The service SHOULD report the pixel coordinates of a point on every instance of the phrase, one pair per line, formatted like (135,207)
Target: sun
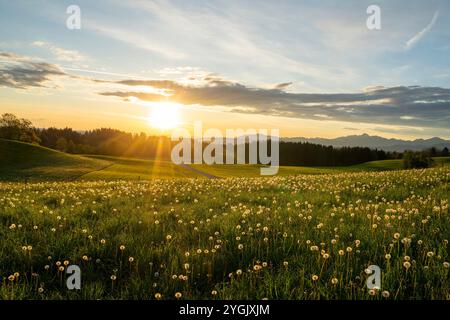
(164,115)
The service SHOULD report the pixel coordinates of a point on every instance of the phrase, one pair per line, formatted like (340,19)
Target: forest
(113,142)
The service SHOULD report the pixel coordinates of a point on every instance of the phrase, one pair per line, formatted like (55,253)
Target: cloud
(401,105)
(139,95)
(23,73)
(10,56)
(60,53)
(417,37)
(134,38)
(221,35)
(410,106)
(99,72)
(283,85)
(400,129)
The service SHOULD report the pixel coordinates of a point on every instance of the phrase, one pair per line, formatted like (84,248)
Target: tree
(445,152)
(412,160)
(14,128)
(61,144)
(433,152)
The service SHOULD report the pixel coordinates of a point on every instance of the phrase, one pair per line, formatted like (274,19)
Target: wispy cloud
(283,85)
(60,54)
(133,38)
(419,36)
(100,72)
(23,73)
(222,34)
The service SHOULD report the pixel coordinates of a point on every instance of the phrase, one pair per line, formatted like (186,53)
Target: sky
(306,68)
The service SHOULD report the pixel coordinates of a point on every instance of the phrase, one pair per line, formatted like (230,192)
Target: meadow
(284,237)
(28,162)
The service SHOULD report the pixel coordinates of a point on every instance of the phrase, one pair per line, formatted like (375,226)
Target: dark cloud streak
(402,105)
(22,73)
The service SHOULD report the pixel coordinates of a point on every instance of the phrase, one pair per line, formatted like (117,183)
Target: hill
(224,171)
(24,161)
(137,169)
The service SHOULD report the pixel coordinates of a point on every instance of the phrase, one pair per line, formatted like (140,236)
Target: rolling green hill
(379,165)
(23,161)
(245,170)
(249,170)
(384,165)
(137,169)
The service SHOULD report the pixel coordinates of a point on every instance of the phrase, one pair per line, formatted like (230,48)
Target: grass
(380,165)
(137,169)
(283,237)
(441,161)
(307,233)
(24,161)
(246,170)
(385,165)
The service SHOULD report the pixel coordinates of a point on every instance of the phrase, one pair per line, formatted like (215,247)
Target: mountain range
(376,142)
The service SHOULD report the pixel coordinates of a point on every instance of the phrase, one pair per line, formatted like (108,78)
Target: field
(291,237)
(137,169)
(23,161)
(225,171)
(142,229)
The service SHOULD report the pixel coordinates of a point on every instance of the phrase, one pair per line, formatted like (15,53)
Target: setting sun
(164,116)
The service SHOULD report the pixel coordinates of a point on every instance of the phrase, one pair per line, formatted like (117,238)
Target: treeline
(104,141)
(308,154)
(118,143)
(14,128)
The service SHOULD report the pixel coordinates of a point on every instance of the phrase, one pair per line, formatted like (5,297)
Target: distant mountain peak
(376,142)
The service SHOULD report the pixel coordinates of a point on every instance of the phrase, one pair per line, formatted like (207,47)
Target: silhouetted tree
(14,128)
(413,160)
(61,144)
